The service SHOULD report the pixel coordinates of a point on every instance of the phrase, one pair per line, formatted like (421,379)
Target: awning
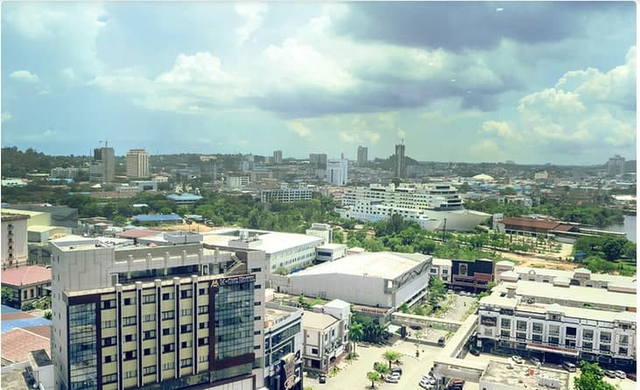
(543,348)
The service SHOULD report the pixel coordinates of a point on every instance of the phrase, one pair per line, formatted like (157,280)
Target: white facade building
(325,335)
(441,269)
(282,347)
(285,195)
(14,239)
(337,171)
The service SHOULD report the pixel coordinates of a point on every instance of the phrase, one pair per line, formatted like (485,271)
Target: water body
(628,227)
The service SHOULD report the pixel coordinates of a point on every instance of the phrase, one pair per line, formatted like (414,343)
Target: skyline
(536,83)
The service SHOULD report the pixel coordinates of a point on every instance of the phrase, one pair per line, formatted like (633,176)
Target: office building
(560,322)
(137,163)
(615,166)
(285,195)
(167,314)
(338,171)
(362,156)
(103,167)
(322,230)
(283,347)
(14,239)
(64,173)
(400,167)
(326,335)
(277,157)
(318,161)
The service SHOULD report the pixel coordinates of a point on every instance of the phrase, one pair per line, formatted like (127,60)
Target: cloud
(253,15)
(24,76)
(6,116)
(301,130)
(69,73)
(502,129)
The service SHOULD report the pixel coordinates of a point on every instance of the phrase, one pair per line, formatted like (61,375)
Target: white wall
(363,290)
(410,289)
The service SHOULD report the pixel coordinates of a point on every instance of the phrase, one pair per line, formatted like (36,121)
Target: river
(628,227)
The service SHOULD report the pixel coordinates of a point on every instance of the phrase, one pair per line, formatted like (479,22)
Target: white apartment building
(285,195)
(64,173)
(14,239)
(441,269)
(325,335)
(137,163)
(322,230)
(282,347)
(232,182)
(165,316)
(560,326)
(338,171)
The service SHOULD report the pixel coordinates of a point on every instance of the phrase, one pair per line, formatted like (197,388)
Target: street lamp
(444,229)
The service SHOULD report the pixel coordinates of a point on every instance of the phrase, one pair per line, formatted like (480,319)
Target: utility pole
(444,229)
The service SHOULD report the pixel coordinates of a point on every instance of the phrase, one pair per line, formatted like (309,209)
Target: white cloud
(69,73)
(253,15)
(503,129)
(6,116)
(301,130)
(25,76)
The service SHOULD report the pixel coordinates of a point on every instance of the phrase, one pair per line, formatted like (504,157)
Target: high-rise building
(362,155)
(615,166)
(318,160)
(167,313)
(400,167)
(137,163)
(277,157)
(337,171)
(103,168)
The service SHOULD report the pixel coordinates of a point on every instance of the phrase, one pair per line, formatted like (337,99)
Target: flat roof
(42,228)
(269,242)
(332,246)
(625,280)
(157,217)
(12,216)
(317,320)
(386,265)
(518,376)
(442,262)
(23,212)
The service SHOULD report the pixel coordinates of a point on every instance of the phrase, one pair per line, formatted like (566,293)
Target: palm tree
(373,376)
(391,356)
(356,332)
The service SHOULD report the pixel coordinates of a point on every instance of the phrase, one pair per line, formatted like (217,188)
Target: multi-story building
(362,156)
(285,195)
(325,335)
(26,284)
(400,166)
(14,239)
(282,347)
(137,163)
(232,182)
(558,322)
(277,157)
(615,165)
(338,171)
(471,275)
(168,315)
(318,160)
(64,173)
(322,230)
(441,269)
(103,168)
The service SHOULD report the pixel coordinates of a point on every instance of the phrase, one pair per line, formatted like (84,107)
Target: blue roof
(157,217)
(23,323)
(184,197)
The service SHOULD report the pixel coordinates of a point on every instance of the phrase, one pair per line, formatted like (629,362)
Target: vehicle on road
(474,352)
(535,360)
(455,384)
(425,384)
(517,359)
(397,370)
(621,374)
(610,373)
(322,379)
(569,366)
(392,378)
(441,341)
(416,327)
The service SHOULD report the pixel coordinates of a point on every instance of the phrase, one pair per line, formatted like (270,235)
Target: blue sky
(533,82)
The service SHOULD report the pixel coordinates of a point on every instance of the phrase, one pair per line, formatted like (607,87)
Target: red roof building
(517,224)
(28,283)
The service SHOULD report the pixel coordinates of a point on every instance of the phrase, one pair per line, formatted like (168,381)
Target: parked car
(392,378)
(610,373)
(621,374)
(425,384)
(474,352)
(322,379)
(397,370)
(535,360)
(429,379)
(416,327)
(569,366)
(631,376)
(441,341)
(517,359)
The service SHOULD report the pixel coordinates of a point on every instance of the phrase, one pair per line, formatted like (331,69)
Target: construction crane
(106,143)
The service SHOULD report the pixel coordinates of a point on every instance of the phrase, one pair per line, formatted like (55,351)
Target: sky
(531,82)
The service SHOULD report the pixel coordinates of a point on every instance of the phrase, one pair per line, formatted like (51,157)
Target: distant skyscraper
(277,157)
(103,167)
(363,158)
(615,166)
(400,168)
(137,163)
(338,171)
(318,161)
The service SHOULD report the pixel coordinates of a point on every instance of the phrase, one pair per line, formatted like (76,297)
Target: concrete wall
(19,243)
(357,289)
(410,289)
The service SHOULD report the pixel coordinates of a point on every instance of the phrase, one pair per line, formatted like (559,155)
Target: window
(188,328)
(108,341)
(109,358)
(203,358)
(129,301)
(112,378)
(623,351)
(587,345)
(149,317)
(203,309)
(168,366)
(505,323)
(148,298)
(257,286)
(202,291)
(571,332)
(257,303)
(587,334)
(167,296)
(536,337)
(167,331)
(554,340)
(130,374)
(149,370)
(203,325)
(624,339)
(203,341)
(129,355)
(605,348)
(186,362)
(256,347)
(149,334)
(110,304)
(185,294)
(605,337)
(167,348)
(149,351)
(537,327)
(257,318)
(521,325)
(185,312)
(129,337)
(314,351)
(108,324)
(168,315)
(128,321)
(554,330)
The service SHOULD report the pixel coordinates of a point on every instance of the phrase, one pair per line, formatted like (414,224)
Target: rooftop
(13,217)
(386,265)
(317,320)
(26,275)
(269,242)
(519,376)
(17,343)
(442,262)
(183,197)
(137,233)
(157,217)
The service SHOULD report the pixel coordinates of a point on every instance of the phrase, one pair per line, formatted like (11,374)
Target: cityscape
(271,196)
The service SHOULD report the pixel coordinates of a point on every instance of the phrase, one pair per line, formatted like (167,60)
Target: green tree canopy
(591,378)
(391,356)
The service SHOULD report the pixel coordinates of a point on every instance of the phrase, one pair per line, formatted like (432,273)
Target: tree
(380,368)
(373,376)
(437,290)
(404,308)
(591,378)
(613,248)
(47,315)
(356,332)
(391,356)
(9,297)
(27,306)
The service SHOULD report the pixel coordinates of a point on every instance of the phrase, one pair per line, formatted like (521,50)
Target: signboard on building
(233,280)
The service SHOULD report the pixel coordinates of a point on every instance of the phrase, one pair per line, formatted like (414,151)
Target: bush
(27,306)
(47,314)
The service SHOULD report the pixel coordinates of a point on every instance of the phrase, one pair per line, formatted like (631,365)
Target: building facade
(157,317)
(400,170)
(64,173)
(615,165)
(325,335)
(27,284)
(285,195)
(363,157)
(14,239)
(277,157)
(283,347)
(137,163)
(103,167)
(338,171)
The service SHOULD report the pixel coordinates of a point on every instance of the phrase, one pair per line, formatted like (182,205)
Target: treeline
(585,214)
(607,254)
(17,163)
